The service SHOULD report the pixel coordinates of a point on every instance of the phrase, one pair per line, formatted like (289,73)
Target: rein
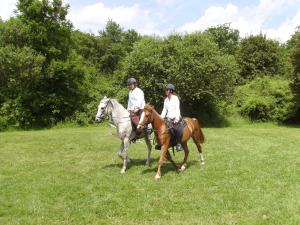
(159,132)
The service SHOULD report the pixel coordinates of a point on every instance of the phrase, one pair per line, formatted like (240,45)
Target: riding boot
(158,145)
(178,145)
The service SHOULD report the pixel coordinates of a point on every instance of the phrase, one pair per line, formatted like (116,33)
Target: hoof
(202,163)
(123,171)
(182,168)
(147,163)
(157,177)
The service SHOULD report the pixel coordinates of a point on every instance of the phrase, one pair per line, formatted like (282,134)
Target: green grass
(71,176)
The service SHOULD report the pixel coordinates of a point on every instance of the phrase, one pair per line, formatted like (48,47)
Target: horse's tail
(198,130)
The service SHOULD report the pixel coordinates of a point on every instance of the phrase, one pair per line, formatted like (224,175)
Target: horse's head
(146,116)
(102,109)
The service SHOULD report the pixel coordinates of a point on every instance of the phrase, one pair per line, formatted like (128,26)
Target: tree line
(51,72)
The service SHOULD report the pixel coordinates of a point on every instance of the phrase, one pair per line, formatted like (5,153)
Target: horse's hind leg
(183,165)
(196,140)
(149,146)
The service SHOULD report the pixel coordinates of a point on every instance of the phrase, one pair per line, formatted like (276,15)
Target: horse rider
(136,102)
(171,110)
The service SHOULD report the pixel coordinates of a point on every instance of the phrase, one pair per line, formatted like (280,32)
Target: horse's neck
(157,122)
(118,112)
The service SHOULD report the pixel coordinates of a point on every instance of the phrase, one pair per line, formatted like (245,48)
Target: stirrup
(179,147)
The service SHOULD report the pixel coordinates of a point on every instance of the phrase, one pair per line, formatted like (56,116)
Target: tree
(296,63)
(15,32)
(226,38)
(293,41)
(85,44)
(113,45)
(55,90)
(20,72)
(258,55)
(49,29)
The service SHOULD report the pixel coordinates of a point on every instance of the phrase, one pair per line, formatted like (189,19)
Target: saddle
(135,118)
(176,130)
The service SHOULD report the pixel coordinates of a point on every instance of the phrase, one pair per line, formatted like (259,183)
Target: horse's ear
(150,106)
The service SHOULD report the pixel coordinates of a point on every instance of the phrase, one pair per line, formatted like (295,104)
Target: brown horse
(192,129)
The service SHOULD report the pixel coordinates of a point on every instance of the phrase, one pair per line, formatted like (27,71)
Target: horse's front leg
(124,154)
(121,149)
(163,152)
(183,165)
(149,146)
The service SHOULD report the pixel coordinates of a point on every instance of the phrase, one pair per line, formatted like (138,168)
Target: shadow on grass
(166,168)
(132,163)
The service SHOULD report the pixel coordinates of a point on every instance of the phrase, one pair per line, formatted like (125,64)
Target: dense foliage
(295,40)
(203,76)
(258,55)
(264,99)
(51,73)
(226,38)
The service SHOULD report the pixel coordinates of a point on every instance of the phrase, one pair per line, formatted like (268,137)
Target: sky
(277,19)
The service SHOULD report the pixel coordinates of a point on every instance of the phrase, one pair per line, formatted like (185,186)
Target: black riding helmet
(131,81)
(170,87)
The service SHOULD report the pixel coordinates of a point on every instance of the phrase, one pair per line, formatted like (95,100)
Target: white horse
(121,119)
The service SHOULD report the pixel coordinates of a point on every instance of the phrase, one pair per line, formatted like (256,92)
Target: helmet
(170,87)
(131,81)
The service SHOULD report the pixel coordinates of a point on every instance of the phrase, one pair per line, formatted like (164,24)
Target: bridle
(105,114)
(148,119)
(104,109)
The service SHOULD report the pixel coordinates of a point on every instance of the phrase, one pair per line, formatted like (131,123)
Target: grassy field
(71,176)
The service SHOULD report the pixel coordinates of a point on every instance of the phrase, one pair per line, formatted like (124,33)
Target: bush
(259,55)
(265,99)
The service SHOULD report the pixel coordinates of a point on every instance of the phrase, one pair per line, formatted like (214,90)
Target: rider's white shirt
(136,99)
(171,108)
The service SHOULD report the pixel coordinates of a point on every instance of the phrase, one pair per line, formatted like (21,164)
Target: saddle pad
(178,128)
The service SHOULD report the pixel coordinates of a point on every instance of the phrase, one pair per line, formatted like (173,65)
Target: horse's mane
(118,105)
(151,108)
(115,102)
(148,105)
